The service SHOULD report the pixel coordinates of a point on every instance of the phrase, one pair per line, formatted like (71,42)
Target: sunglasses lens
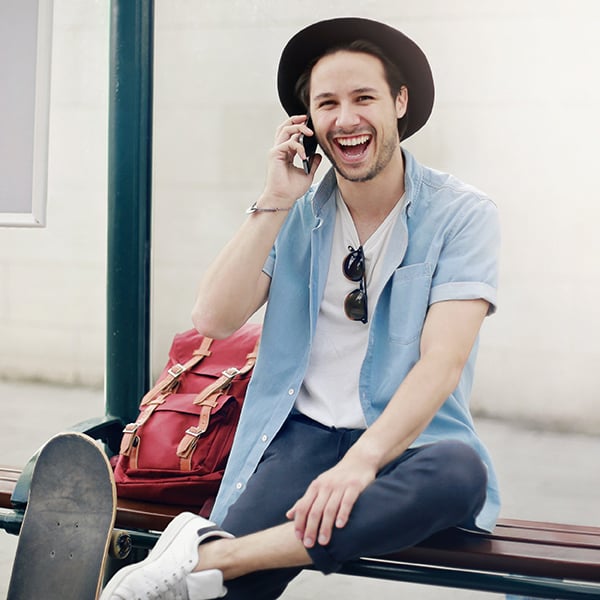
(355,306)
(354,265)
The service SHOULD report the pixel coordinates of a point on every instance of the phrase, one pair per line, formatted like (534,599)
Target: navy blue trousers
(425,490)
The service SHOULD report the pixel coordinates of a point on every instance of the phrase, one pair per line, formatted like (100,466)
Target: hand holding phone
(310,147)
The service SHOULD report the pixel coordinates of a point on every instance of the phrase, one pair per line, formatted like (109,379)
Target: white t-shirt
(329,393)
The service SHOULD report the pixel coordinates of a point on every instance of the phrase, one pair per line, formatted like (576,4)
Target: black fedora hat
(315,40)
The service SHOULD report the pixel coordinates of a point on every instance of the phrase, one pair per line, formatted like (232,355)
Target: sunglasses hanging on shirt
(355,304)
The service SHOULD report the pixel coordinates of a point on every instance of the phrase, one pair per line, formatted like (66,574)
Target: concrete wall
(516,114)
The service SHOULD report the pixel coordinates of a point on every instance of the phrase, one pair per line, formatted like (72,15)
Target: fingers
(296,123)
(323,526)
(319,519)
(345,508)
(286,180)
(299,513)
(319,511)
(292,129)
(306,514)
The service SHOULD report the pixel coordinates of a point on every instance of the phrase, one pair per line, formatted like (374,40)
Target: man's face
(354,115)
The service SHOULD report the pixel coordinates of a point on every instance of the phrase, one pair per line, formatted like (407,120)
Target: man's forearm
(234,286)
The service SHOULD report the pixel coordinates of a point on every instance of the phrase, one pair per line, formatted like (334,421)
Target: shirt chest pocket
(409,300)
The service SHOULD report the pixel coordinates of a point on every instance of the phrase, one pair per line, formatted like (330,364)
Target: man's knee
(462,475)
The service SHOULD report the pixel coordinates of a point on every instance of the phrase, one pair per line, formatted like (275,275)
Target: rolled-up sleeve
(467,268)
(269,265)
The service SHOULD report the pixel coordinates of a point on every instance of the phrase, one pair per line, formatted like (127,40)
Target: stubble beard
(389,146)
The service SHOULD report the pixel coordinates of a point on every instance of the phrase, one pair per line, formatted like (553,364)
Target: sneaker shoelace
(172,587)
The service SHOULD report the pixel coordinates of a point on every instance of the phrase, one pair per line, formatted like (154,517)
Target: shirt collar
(413,179)
(323,192)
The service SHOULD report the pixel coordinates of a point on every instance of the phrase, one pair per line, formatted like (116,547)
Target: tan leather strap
(130,432)
(173,376)
(156,396)
(223,383)
(188,443)
(207,399)
(134,453)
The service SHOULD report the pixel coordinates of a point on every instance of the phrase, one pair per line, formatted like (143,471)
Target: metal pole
(129,206)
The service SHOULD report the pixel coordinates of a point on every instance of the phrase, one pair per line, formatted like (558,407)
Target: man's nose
(347,117)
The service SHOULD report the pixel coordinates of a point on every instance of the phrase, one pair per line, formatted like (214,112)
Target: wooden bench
(521,557)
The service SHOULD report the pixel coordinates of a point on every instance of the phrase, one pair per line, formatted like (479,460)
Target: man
(355,437)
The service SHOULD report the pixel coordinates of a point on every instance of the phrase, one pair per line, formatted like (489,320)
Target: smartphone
(310,147)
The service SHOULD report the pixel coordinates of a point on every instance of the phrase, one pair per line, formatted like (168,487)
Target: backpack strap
(156,396)
(171,380)
(224,382)
(207,399)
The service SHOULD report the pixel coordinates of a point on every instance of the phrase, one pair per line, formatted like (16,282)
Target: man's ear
(402,102)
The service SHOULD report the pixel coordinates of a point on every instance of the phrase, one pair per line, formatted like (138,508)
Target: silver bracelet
(255,209)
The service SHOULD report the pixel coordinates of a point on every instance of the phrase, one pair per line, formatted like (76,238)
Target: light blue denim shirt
(444,247)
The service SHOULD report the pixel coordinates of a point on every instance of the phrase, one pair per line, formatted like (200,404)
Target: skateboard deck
(68,522)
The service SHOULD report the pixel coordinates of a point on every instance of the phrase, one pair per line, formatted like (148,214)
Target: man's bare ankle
(214,554)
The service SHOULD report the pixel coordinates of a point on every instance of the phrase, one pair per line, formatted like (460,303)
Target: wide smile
(353,148)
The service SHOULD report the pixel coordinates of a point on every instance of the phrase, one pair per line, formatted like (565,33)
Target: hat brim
(315,40)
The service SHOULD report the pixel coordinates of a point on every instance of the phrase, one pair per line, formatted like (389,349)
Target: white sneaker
(166,573)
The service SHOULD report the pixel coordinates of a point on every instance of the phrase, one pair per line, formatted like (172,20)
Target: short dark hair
(394,77)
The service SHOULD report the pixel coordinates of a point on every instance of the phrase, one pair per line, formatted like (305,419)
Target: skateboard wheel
(120,545)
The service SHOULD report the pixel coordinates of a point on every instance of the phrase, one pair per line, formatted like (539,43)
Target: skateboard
(68,523)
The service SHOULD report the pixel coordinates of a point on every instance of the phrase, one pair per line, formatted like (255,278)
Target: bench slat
(542,525)
(142,515)
(464,551)
(559,538)
(8,480)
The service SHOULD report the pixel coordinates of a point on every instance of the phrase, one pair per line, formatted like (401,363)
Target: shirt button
(291,392)
(264,437)
(238,485)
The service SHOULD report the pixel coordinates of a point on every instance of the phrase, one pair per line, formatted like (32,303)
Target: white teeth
(353,141)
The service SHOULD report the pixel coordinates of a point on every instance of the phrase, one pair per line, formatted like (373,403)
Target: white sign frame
(24,174)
